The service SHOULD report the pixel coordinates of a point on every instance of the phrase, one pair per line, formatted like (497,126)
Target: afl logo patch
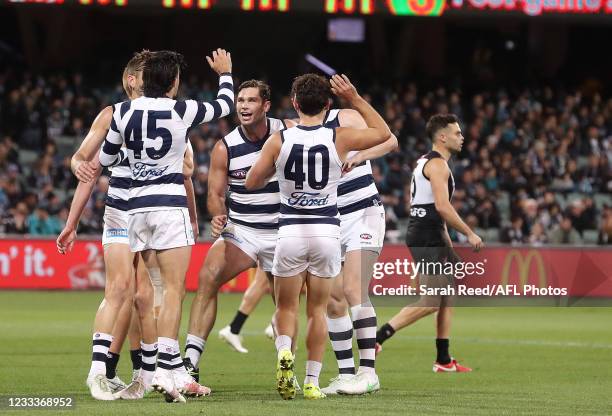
(365,236)
(239,174)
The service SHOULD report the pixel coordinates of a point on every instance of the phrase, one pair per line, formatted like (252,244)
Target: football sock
(443,357)
(364,323)
(283,342)
(149,356)
(313,369)
(101,344)
(112,360)
(169,357)
(136,357)
(384,333)
(237,323)
(194,349)
(341,336)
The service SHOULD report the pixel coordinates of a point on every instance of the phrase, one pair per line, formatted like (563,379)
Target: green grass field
(527,361)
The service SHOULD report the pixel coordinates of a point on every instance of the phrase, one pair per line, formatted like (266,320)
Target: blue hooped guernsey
(258,208)
(357,190)
(309,171)
(155,131)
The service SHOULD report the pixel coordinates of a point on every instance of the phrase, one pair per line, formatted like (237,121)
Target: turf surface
(527,361)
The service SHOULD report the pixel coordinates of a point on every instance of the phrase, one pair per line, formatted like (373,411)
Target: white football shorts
(115,229)
(255,243)
(160,230)
(320,256)
(363,230)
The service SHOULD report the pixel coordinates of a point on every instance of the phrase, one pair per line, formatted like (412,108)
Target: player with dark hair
(154,128)
(307,160)
(427,236)
(260,284)
(119,259)
(246,235)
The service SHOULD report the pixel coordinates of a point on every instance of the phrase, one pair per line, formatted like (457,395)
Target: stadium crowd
(536,166)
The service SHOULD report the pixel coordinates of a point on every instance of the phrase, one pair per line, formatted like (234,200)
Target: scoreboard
(356,7)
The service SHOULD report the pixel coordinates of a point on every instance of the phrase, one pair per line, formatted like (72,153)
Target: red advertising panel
(36,264)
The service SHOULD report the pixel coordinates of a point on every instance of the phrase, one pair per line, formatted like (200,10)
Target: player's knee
(336,308)
(316,308)
(117,290)
(287,305)
(354,295)
(144,298)
(210,281)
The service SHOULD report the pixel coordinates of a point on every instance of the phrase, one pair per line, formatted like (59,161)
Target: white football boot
(187,385)
(235,341)
(136,390)
(269,331)
(363,383)
(163,382)
(99,388)
(116,384)
(337,383)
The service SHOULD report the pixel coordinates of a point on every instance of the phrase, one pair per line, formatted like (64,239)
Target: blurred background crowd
(536,166)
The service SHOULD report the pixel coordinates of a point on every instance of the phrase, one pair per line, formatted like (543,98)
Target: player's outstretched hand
(475,242)
(65,240)
(217,223)
(351,162)
(221,61)
(342,87)
(84,172)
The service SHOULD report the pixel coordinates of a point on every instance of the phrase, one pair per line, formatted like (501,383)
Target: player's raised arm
(348,139)
(438,172)
(264,167)
(351,118)
(375,152)
(195,112)
(90,146)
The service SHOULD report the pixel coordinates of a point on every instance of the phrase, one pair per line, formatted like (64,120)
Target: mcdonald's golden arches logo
(524,266)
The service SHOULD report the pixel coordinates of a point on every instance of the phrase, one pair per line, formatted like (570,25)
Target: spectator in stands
(14,221)
(41,223)
(529,143)
(514,233)
(5,202)
(529,213)
(565,233)
(200,186)
(485,209)
(581,218)
(605,229)
(12,150)
(538,236)
(42,174)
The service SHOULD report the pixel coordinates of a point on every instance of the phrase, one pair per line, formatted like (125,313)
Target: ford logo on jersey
(307,199)
(140,171)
